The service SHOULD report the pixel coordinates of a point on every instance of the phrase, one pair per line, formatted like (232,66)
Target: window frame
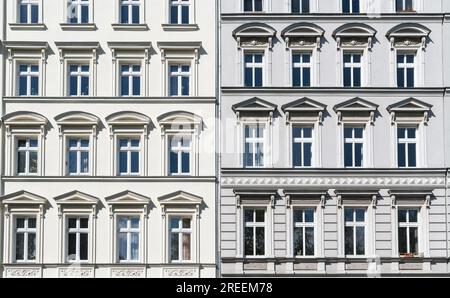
(79,75)
(139,3)
(129,136)
(181,231)
(29,14)
(409,225)
(25,231)
(414,5)
(90,6)
(27,158)
(15,71)
(264,139)
(254,65)
(29,74)
(355,224)
(364,144)
(79,150)
(264,6)
(129,231)
(406,141)
(360,6)
(77,135)
(310,7)
(130,75)
(405,67)
(302,142)
(77,231)
(304,225)
(180,74)
(302,66)
(353,66)
(180,151)
(254,225)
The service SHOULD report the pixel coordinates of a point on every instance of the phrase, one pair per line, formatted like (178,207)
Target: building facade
(108,136)
(334,138)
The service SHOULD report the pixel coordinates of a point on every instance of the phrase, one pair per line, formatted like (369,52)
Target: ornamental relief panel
(23,272)
(180,272)
(128,272)
(76,272)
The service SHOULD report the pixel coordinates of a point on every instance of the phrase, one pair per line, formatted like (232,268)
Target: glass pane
(122,246)
(400,77)
(356,57)
(173,86)
(248,155)
(260,215)
(84,143)
(31,246)
(185,162)
(123,222)
(84,222)
(358,154)
(173,162)
(134,162)
(33,162)
(248,77)
(123,143)
(298,216)
(356,77)
(399,5)
(296,132)
(83,246)
(348,214)
(259,160)
(34,86)
(124,86)
(307,160)
(347,77)
(402,241)
(309,215)
(23,85)
(135,222)
(349,241)
(401,132)
(413,215)
(174,223)
(135,11)
(73,143)
(134,246)
(185,86)
(84,85)
(73,86)
(258,5)
(306,77)
(72,162)
(123,162)
(258,58)
(410,77)
(295,6)
(411,155)
(174,246)
(136,85)
(258,77)
(248,241)
(21,143)
(411,133)
(248,6)
(85,14)
(297,154)
(72,247)
(360,242)
(360,215)
(186,247)
(345,6)
(21,162)
(135,142)
(124,14)
(348,132)
(309,241)
(296,80)
(260,241)
(305,6)
(298,241)
(296,58)
(401,155)
(31,223)
(348,155)
(84,162)
(409,58)
(72,223)
(186,223)
(413,243)
(20,223)
(20,243)
(174,14)
(248,215)
(402,215)
(185,14)
(23,14)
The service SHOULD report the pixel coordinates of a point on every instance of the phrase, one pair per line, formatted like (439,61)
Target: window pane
(135,11)
(298,241)
(348,213)
(185,14)
(134,246)
(84,162)
(348,155)
(356,77)
(360,241)
(360,215)
(134,162)
(355,6)
(347,77)
(259,158)
(248,155)
(260,242)
(72,222)
(358,154)
(402,241)
(33,162)
(349,241)
(296,80)
(34,86)
(84,85)
(411,155)
(173,162)
(309,241)
(401,133)
(124,14)
(258,77)
(23,85)
(20,243)
(402,215)
(135,223)
(31,246)
(83,246)
(136,85)
(260,215)
(85,14)
(21,162)
(72,247)
(123,162)
(413,215)
(20,223)
(305,6)
(297,154)
(124,86)
(174,223)
(309,215)
(306,77)
(122,246)
(186,223)
(123,143)
(174,14)
(410,77)
(174,247)
(248,5)
(186,246)
(72,162)
(307,154)
(258,5)
(401,155)
(298,215)
(413,240)
(248,215)
(248,77)
(185,86)
(135,142)
(345,6)
(348,132)
(73,86)
(32,223)
(123,222)
(173,86)
(84,222)
(185,162)
(248,241)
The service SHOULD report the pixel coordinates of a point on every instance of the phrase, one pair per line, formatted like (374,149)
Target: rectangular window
(350,6)
(253,5)
(128,238)
(253,70)
(129,156)
(130,80)
(304,232)
(28,77)
(78,80)
(302,145)
(254,232)
(353,146)
(355,229)
(78,156)
(130,11)
(254,135)
(78,11)
(179,79)
(180,155)
(408,231)
(407,146)
(25,235)
(180,238)
(406,65)
(352,69)
(179,11)
(27,156)
(301,69)
(300,6)
(29,11)
(77,239)
(405,5)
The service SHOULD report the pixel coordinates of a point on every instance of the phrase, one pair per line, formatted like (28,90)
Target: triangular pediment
(127,118)
(254,104)
(77,118)
(127,198)
(410,105)
(76,198)
(304,104)
(356,104)
(302,30)
(23,198)
(180,198)
(354,30)
(24,118)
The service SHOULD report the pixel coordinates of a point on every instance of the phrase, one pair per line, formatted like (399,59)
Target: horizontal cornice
(334,17)
(115,100)
(95,179)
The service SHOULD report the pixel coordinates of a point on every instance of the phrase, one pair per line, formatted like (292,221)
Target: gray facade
(282,216)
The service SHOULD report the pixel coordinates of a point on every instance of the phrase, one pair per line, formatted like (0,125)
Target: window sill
(18,26)
(180,27)
(130,27)
(83,27)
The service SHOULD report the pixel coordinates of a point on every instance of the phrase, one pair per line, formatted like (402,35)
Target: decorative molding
(23,272)
(180,272)
(128,272)
(76,272)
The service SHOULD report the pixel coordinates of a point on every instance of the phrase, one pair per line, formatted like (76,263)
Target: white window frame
(362,6)
(302,65)
(302,140)
(180,232)
(404,65)
(406,141)
(354,141)
(354,224)
(18,59)
(128,231)
(131,74)
(118,9)
(27,151)
(409,225)
(416,6)
(79,4)
(266,6)
(304,225)
(179,75)
(421,139)
(253,65)
(29,3)
(255,225)
(79,74)
(77,231)
(254,141)
(67,134)
(365,50)
(419,63)
(25,231)
(129,149)
(79,149)
(180,4)
(28,74)
(313,5)
(352,65)
(179,149)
